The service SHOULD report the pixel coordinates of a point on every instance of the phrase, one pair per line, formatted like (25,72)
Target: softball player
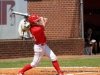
(37,25)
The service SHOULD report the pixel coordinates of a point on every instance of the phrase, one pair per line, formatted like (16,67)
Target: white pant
(39,51)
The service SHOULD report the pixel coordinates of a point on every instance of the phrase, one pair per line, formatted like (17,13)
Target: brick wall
(63,17)
(21,49)
(15,48)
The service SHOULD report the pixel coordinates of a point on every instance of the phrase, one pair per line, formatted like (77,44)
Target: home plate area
(52,71)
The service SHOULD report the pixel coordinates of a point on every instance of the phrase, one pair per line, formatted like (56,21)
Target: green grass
(89,62)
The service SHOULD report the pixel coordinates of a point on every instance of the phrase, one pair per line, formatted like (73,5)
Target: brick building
(63,30)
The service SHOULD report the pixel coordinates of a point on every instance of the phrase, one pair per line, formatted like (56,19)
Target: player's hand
(45,19)
(26,28)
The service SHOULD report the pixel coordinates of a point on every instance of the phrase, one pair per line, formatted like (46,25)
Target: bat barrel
(19,13)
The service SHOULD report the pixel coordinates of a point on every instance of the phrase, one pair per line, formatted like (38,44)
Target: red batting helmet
(33,19)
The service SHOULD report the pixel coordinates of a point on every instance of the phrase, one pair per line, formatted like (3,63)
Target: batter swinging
(37,25)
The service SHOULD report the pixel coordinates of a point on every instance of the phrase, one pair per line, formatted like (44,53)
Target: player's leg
(53,58)
(37,58)
(38,54)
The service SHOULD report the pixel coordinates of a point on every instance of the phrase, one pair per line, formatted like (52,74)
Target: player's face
(38,22)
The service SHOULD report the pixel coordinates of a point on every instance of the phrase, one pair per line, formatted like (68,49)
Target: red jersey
(38,34)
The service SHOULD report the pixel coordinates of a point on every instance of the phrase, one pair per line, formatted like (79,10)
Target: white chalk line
(79,73)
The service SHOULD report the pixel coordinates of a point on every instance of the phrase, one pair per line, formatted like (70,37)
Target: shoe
(20,73)
(60,73)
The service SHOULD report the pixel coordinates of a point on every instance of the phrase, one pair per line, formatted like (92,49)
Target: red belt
(41,44)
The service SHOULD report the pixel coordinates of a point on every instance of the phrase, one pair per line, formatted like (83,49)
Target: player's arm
(43,21)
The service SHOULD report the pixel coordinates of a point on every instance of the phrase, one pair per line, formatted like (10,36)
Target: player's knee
(34,64)
(54,58)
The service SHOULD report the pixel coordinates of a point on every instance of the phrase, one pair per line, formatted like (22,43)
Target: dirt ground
(51,70)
